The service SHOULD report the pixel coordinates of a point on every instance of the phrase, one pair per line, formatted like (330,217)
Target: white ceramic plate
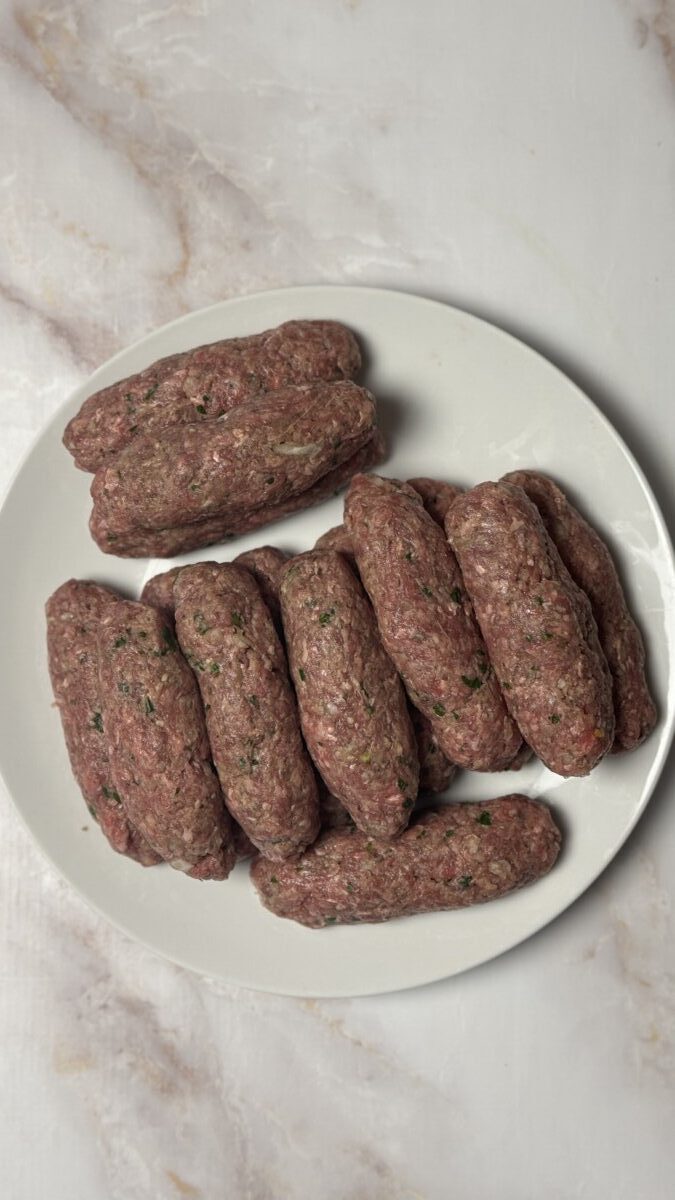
(461,401)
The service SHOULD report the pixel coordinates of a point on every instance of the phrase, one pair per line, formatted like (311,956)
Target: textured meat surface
(158,592)
(450,857)
(591,566)
(227,634)
(436,770)
(165,543)
(352,706)
(437,496)
(266,564)
(157,745)
(427,623)
(339,540)
(538,627)
(74,613)
(206,382)
(254,457)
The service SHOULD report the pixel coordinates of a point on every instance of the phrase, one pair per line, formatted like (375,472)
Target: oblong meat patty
(538,627)
(591,566)
(427,624)
(157,745)
(228,636)
(352,706)
(266,564)
(253,459)
(437,496)
(74,614)
(158,591)
(450,857)
(206,382)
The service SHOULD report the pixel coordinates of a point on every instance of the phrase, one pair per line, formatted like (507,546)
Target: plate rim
(667,734)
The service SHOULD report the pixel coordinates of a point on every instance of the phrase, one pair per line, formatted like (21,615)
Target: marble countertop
(515,159)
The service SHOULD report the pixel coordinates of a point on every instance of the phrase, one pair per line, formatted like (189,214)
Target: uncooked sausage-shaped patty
(436,770)
(255,457)
(158,591)
(591,566)
(437,496)
(450,857)
(157,744)
(165,543)
(228,636)
(266,564)
(538,627)
(74,613)
(426,622)
(206,382)
(352,706)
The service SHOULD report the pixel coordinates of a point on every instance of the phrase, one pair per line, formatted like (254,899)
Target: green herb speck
(120,641)
(439,709)
(473,683)
(426,591)
(449,833)
(97,722)
(409,555)
(326,617)
(123,688)
(546,636)
(111,794)
(148,706)
(455,714)
(484,818)
(408,803)
(402,785)
(301,675)
(273,879)
(254,702)
(237,619)
(466,881)
(214,668)
(150,393)
(330,920)
(554,719)
(456,595)
(539,600)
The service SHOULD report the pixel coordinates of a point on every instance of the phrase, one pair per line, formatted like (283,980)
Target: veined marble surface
(514,158)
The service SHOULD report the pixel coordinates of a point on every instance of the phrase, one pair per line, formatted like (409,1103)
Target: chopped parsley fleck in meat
(120,641)
(449,833)
(326,617)
(554,719)
(426,591)
(199,622)
(214,668)
(472,682)
(484,818)
(301,675)
(97,722)
(408,803)
(111,794)
(455,714)
(123,688)
(148,706)
(466,881)
(350,888)
(201,409)
(150,393)
(409,555)
(402,785)
(273,879)
(195,663)
(253,700)
(539,600)
(237,619)
(439,709)
(546,636)
(456,595)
